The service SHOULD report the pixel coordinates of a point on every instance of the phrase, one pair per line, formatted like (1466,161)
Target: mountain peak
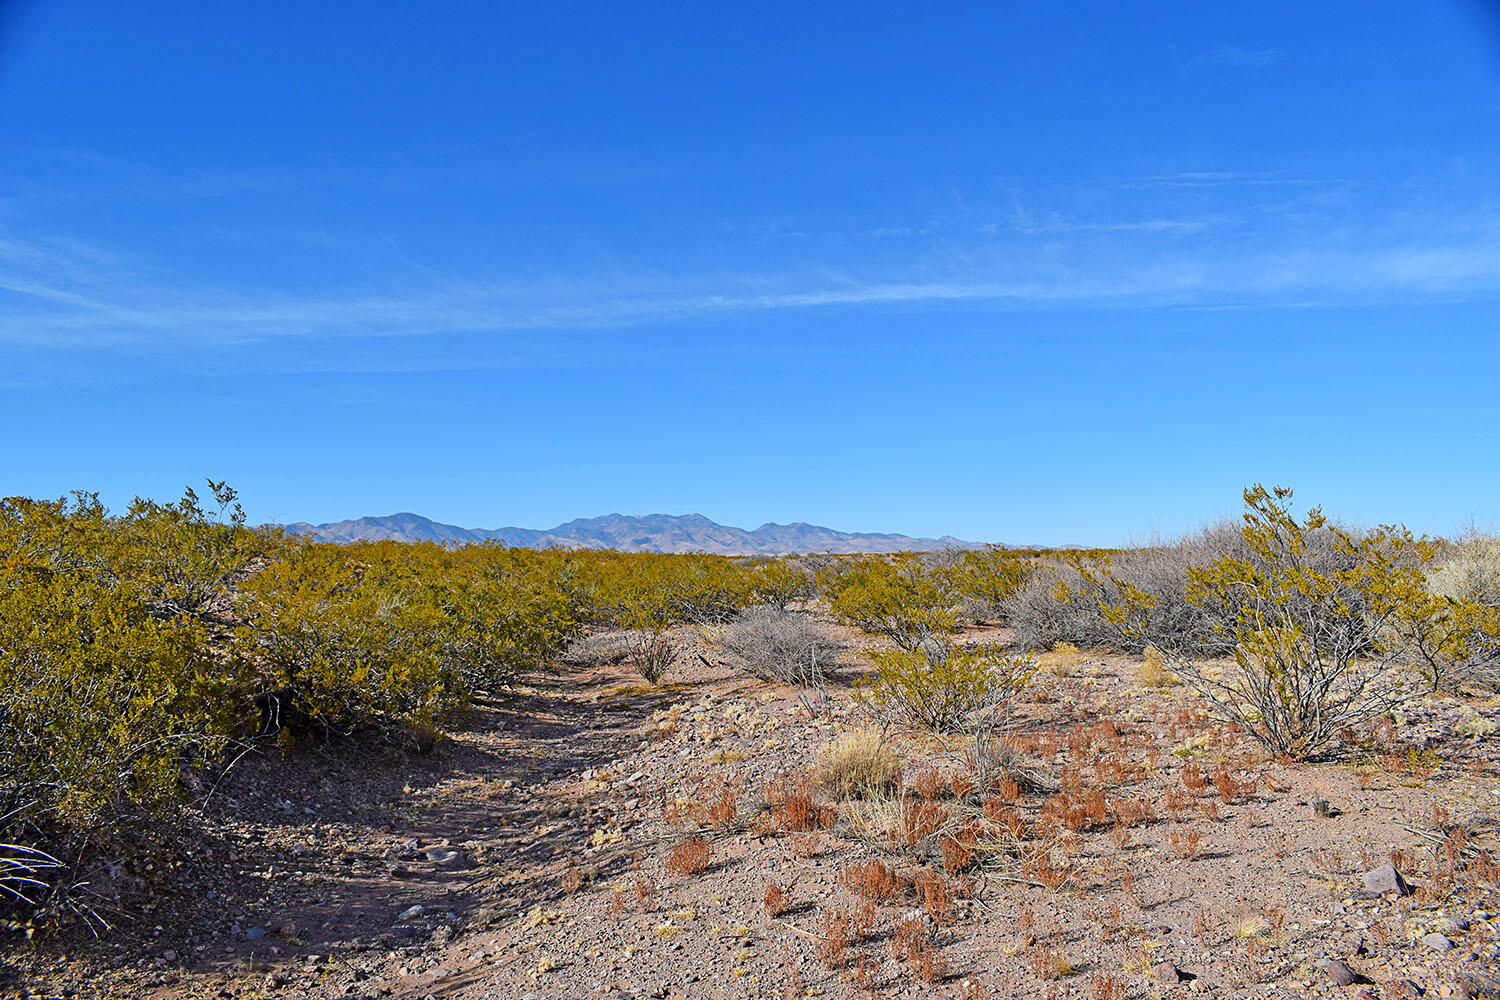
(629,533)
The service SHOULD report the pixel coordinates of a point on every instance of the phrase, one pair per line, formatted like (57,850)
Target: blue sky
(1032,273)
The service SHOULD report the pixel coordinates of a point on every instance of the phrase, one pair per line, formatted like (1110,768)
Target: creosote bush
(938,685)
(1315,630)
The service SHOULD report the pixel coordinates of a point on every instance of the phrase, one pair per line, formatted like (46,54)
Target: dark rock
(255,934)
(1340,974)
(1386,879)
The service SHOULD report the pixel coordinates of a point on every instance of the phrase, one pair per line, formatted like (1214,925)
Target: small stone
(411,912)
(169,955)
(1386,879)
(255,934)
(1340,974)
(1437,942)
(1166,972)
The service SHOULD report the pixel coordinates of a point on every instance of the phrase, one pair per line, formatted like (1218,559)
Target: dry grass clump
(1154,672)
(1062,659)
(859,764)
(689,857)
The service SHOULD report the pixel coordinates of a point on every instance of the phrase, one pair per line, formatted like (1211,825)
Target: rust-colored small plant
(932,894)
(865,972)
(1103,986)
(871,879)
(1228,785)
(645,890)
(1007,790)
(927,783)
(921,819)
(911,941)
(1049,964)
(724,808)
(1095,806)
(958,850)
(775,899)
(1193,778)
(689,857)
(1184,843)
(862,920)
(1175,802)
(1006,818)
(1209,808)
(833,943)
(1131,812)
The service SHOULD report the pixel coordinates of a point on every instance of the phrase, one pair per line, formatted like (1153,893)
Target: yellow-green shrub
(892,596)
(937,685)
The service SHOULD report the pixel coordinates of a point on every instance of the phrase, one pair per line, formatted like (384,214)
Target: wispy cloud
(60,317)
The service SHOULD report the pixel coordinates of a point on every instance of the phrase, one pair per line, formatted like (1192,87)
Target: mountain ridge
(631,533)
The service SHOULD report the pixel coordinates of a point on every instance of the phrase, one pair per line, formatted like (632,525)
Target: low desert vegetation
(994,732)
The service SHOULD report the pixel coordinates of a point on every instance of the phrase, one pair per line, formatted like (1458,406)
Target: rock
(1340,974)
(1166,972)
(411,912)
(289,929)
(1386,879)
(446,857)
(1437,942)
(1321,807)
(255,934)
(169,955)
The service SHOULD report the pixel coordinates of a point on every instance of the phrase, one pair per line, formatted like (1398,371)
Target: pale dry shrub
(859,764)
(781,645)
(1471,572)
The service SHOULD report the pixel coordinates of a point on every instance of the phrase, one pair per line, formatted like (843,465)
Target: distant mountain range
(649,533)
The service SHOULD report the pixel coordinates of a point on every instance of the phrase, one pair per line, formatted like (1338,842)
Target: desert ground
(586,835)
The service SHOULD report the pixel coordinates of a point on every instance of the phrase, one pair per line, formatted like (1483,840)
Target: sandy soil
(527,857)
